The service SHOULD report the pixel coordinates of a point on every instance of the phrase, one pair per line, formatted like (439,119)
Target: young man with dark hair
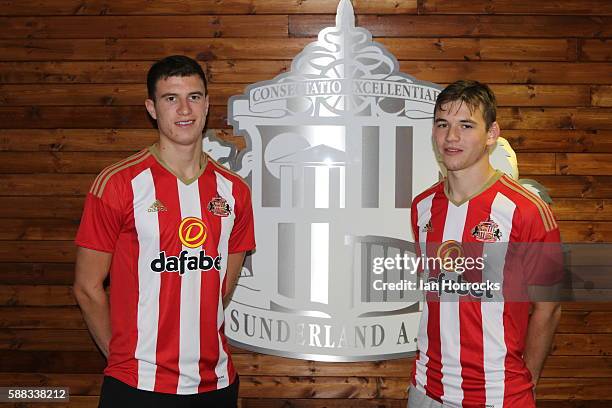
(172,227)
(473,352)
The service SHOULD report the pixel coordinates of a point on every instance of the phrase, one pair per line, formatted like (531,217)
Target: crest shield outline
(336,148)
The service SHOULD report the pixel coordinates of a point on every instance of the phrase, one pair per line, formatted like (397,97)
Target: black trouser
(116,394)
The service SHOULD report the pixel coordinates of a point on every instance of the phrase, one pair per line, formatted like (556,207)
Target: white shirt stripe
(147,228)
(494,345)
(189,339)
(423,217)
(224,189)
(449,315)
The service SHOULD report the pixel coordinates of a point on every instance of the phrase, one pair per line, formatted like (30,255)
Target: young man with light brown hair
(474,352)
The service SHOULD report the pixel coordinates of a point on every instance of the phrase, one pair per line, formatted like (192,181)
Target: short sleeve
(101,221)
(242,237)
(541,242)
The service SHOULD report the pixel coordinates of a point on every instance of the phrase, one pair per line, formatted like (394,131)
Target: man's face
(461,136)
(180,108)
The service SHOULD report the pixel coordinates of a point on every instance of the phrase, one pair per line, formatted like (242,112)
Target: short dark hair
(174,65)
(474,94)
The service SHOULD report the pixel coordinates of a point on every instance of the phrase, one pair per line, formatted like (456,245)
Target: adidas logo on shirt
(157,206)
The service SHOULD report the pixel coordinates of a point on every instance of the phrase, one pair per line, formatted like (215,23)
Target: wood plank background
(72,76)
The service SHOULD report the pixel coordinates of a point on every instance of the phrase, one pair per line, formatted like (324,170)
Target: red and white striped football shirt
(170,240)
(470,351)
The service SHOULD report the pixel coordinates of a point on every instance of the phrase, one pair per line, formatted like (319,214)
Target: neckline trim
(154,149)
(492,180)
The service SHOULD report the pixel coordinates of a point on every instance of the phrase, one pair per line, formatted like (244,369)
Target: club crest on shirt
(427,227)
(219,206)
(487,231)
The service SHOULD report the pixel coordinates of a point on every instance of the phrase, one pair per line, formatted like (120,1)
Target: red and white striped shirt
(170,240)
(470,351)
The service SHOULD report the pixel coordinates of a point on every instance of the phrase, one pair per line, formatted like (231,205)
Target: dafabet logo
(192,233)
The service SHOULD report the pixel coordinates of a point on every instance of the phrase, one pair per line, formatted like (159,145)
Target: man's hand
(542,325)
(90,272)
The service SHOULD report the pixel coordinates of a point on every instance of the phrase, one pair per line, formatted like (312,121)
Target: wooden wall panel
(248,71)
(502,26)
(147,27)
(72,77)
(571,7)
(34,251)
(164,7)
(510,72)
(50,185)
(596,50)
(206,49)
(80,162)
(133,117)
(577,186)
(566,140)
(74,72)
(601,96)
(14,273)
(135,94)
(75,140)
(132,140)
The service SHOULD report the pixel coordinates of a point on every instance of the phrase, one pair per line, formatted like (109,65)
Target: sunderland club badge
(332,148)
(219,206)
(487,231)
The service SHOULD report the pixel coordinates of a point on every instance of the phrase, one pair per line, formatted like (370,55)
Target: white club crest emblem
(336,149)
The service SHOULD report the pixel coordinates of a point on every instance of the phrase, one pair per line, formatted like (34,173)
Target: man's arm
(90,272)
(542,325)
(234,266)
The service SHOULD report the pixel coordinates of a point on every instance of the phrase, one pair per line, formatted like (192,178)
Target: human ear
(493,134)
(150,105)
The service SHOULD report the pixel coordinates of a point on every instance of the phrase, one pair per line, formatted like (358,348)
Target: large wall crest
(336,149)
